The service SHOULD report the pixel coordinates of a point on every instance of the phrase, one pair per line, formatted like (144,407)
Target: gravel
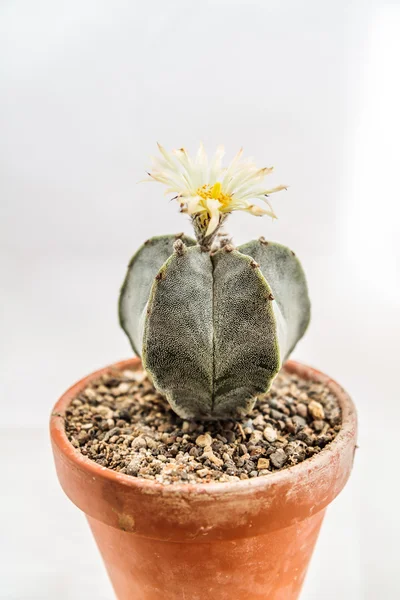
(122,423)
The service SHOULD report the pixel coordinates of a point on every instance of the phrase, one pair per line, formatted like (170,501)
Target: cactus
(142,269)
(213,323)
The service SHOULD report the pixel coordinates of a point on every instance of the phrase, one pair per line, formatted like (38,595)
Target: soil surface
(122,423)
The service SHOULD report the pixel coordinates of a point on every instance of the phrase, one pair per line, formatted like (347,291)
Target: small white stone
(212,458)
(202,472)
(316,410)
(256,436)
(123,388)
(91,394)
(204,440)
(270,434)
(138,442)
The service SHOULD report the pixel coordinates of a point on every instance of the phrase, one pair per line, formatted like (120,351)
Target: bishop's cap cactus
(213,323)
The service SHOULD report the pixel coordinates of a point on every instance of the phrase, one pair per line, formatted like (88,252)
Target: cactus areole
(213,323)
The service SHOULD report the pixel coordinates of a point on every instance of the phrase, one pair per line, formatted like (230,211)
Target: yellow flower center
(214,191)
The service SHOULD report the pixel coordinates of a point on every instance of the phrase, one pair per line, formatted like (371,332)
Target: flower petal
(278,188)
(251,179)
(166,155)
(215,167)
(195,205)
(213,209)
(258,211)
(231,168)
(189,169)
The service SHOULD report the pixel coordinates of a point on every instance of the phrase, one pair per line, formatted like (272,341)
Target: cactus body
(178,335)
(135,291)
(213,329)
(284,273)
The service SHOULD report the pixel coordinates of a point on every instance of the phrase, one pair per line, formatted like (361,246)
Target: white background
(87,88)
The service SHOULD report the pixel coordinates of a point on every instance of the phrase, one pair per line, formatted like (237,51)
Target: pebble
(134,466)
(138,442)
(243,449)
(214,459)
(263,463)
(90,394)
(87,426)
(295,451)
(276,414)
(259,421)
(298,422)
(122,389)
(306,436)
(318,425)
(264,472)
(203,472)
(256,436)
(278,458)
(302,410)
(204,440)
(124,415)
(111,433)
(230,436)
(270,434)
(316,410)
(131,375)
(150,443)
(323,440)
(82,438)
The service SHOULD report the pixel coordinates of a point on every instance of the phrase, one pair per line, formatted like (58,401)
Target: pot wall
(265,567)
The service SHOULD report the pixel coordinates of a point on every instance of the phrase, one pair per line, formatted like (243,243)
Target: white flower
(207,190)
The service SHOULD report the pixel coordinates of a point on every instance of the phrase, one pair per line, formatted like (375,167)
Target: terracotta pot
(247,540)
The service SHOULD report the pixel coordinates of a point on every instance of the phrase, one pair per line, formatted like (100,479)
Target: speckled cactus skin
(213,328)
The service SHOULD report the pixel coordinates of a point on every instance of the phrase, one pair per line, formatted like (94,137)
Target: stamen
(216,190)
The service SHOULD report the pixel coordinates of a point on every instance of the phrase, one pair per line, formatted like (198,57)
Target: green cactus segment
(246,356)
(213,328)
(284,274)
(210,340)
(135,291)
(178,334)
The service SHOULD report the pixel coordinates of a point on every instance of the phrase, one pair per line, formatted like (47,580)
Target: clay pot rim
(193,490)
